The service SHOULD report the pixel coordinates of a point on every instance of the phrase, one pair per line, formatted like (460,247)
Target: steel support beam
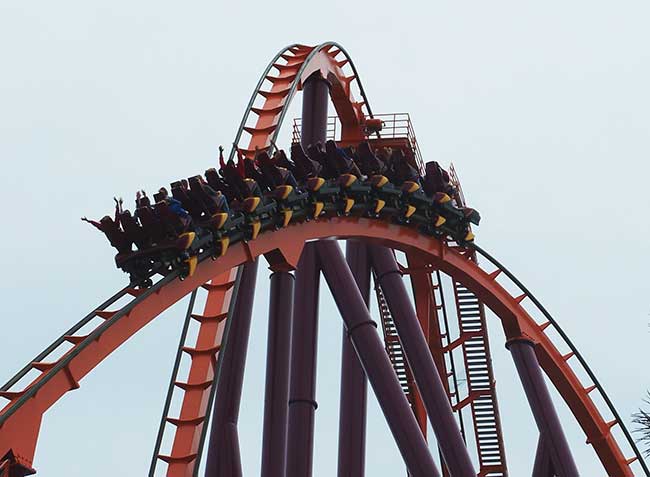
(315,95)
(425,373)
(276,397)
(302,392)
(354,385)
(541,405)
(224,459)
(370,350)
(543,466)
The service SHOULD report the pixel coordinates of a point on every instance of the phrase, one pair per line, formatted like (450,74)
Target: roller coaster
(413,358)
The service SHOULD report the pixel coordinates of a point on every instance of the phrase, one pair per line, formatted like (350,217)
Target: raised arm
(222,163)
(92,222)
(240,162)
(118,208)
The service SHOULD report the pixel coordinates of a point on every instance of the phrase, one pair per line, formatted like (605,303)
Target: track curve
(302,63)
(515,320)
(20,419)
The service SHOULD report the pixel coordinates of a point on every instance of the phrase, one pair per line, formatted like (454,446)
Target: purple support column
(302,394)
(375,362)
(276,397)
(425,373)
(354,385)
(543,466)
(224,459)
(541,405)
(315,93)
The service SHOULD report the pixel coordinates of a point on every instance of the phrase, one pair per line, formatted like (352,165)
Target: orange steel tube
(21,418)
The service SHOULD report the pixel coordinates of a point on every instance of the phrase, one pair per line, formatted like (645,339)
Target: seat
(217,183)
(252,188)
(369,163)
(152,225)
(198,191)
(337,159)
(115,235)
(189,203)
(234,180)
(316,154)
(133,231)
(433,179)
(402,170)
(305,166)
(281,160)
(174,225)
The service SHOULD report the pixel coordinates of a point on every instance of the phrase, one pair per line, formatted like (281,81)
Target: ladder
(447,366)
(394,346)
(481,388)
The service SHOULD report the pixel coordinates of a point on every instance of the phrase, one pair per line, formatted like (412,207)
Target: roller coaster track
(300,62)
(198,391)
(21,417)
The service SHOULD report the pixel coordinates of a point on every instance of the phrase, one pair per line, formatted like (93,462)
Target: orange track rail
(293,66)
(20,419)
(193,416)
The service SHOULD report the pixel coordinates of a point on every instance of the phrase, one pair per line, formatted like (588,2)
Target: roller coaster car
(167,255)
(189,203)
(436,215)
(257,215)
(386,196)
(319,187)
(353,194)
(212,233)
(321,193)
(291,204)
(413,199)
(471,215)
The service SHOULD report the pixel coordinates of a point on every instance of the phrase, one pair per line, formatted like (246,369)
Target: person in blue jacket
(174,205)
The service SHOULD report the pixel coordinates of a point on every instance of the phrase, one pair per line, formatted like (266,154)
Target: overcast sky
(542,106)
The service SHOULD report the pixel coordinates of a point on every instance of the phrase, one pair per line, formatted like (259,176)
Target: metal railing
(394,126)
(332,131)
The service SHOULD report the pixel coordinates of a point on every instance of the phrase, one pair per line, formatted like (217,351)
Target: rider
(111,228)
(174,205)
(274,175)
(305,167)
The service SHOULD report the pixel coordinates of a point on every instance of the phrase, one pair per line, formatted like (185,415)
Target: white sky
(542,106)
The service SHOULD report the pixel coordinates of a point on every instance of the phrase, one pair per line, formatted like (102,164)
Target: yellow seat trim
(318,208)
(284,191)
(225,242)
(348,205)
(347,180)
(287,217)
(192,262)
(222,219)
(410,210)
(190,236)
(409,187)
(444,199)
(315,183)
(251,203)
